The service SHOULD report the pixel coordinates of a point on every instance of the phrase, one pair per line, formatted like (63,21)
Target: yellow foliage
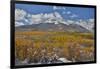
(32,43)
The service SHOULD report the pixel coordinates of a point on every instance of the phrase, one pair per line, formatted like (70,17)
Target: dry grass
(72,46)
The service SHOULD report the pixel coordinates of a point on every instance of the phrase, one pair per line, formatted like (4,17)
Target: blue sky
(66,12)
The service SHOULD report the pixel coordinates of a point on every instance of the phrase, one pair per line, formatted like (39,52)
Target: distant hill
(52,27)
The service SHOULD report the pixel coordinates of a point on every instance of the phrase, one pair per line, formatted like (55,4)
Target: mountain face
(50,22)
(52,27)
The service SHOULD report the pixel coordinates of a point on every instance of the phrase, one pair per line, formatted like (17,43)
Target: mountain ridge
(52,27)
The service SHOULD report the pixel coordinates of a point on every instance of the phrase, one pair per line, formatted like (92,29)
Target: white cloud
(45,18)
(37,18)
(49,15)
(20,14)
(91,20)
(29,15)
(70,21)
(58,8)
(63,12)
(68,12)
(64,8)
(19,23)
(55,8)
(74,16)
(54,17)
(57,15)
(26,20)
(22,17)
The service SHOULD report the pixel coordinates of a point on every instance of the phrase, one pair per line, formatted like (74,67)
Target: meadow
(43,47)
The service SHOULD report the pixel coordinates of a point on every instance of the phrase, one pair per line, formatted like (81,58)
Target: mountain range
(51,22)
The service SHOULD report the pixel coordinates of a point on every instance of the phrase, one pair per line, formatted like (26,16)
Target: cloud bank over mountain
(24,18)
